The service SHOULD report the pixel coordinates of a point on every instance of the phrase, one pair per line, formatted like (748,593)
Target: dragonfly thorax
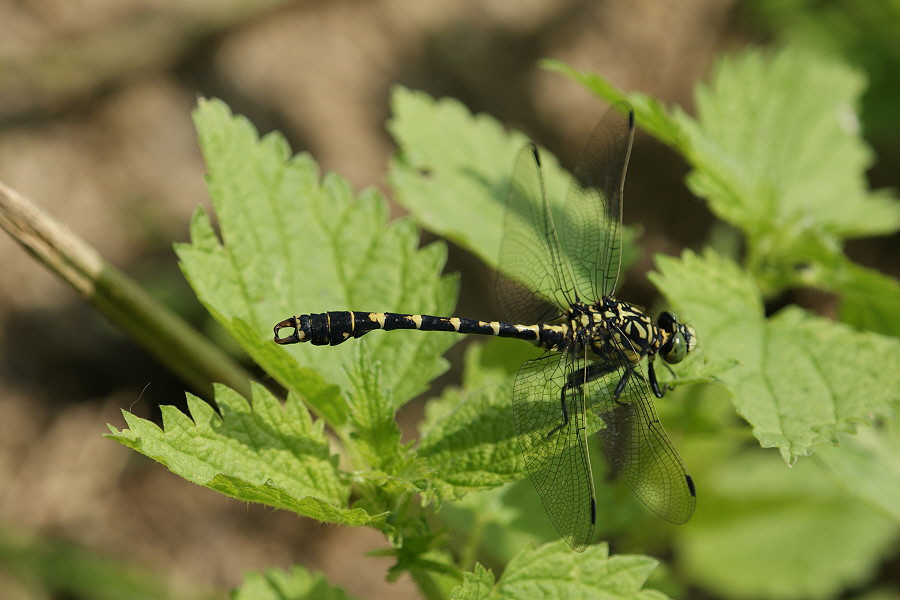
(610,330)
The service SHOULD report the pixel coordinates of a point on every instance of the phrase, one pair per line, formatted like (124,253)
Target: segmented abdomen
(336,327)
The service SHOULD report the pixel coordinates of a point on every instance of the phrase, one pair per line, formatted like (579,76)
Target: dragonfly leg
(563,408)
(576,380)
(620,387)
(659,392)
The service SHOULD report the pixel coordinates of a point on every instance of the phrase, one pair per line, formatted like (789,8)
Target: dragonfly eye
(675,348)
(667,321)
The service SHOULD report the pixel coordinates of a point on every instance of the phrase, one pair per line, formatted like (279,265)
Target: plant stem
(159,330)
(427,584)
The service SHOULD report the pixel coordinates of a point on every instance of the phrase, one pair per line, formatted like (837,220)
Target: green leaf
(865,33)
(869,299)
(376,434)
(467,439)
(765,531)
(801,379)
(453,169)
(650,114)
(787,153)
(475,586)
(453,172)
(554,571)
(867,465)
(293,244)
(495,361)
(272,454)
(308,506)
(776,151)
(296,584)
(469,442)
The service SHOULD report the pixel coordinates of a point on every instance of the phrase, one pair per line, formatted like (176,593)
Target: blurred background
(95,127)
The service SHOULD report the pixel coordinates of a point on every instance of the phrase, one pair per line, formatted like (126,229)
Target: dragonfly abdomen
(336,327)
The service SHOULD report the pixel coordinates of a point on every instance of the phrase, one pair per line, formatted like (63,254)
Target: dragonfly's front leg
(654,384)
(659,392)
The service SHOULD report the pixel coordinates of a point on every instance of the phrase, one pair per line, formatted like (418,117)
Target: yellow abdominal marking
(561,329)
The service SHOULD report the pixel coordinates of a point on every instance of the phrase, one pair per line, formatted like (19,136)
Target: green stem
(427,584)
(470,550)
(163,333)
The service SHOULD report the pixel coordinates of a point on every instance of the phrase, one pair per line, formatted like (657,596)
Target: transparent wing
(555,451)
(639,449)
(531,287)
(544,271)
(591,222)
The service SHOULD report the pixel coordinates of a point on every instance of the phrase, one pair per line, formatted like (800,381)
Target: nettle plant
(776,154)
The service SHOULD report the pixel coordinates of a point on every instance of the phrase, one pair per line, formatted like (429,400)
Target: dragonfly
(559,266)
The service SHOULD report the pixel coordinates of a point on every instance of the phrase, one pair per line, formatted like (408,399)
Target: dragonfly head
(679,338)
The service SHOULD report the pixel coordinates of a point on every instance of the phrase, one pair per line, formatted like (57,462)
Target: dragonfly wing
(532,286)
(591,222)
(639,449)
(555,449)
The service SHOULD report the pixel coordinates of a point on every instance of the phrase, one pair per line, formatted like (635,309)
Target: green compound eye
(675,349)
(667,321)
